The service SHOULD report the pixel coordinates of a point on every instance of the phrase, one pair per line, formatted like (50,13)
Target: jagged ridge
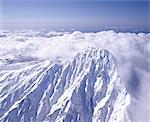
(85,89)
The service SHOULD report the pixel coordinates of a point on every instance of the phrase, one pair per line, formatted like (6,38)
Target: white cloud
(131,50)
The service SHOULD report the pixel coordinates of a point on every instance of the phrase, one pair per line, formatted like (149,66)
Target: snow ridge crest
(84,89)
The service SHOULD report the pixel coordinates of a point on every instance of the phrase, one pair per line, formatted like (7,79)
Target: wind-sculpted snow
(86,88)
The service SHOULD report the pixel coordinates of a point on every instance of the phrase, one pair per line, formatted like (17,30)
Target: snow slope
(85,88)
(131,50)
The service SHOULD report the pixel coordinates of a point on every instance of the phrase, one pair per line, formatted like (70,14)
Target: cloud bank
(131,50)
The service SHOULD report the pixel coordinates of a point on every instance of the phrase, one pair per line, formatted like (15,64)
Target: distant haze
(80,14)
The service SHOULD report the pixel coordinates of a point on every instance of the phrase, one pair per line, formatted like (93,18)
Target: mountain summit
(87,88)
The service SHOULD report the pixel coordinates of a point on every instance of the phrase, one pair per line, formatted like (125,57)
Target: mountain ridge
(86,88)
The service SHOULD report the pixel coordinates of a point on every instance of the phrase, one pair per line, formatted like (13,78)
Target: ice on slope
(84,89)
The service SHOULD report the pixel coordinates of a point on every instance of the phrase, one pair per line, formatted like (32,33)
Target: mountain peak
(84,89)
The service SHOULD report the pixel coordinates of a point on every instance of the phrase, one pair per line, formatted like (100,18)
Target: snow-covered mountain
(85,88)
(21,50)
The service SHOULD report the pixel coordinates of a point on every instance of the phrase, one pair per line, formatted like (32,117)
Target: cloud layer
(131,50)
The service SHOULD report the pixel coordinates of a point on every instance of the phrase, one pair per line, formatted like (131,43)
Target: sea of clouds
(131,50)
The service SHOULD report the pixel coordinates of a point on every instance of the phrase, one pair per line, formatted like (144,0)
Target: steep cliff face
(84,89)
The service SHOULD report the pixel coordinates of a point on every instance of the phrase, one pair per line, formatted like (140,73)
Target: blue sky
(73,14)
